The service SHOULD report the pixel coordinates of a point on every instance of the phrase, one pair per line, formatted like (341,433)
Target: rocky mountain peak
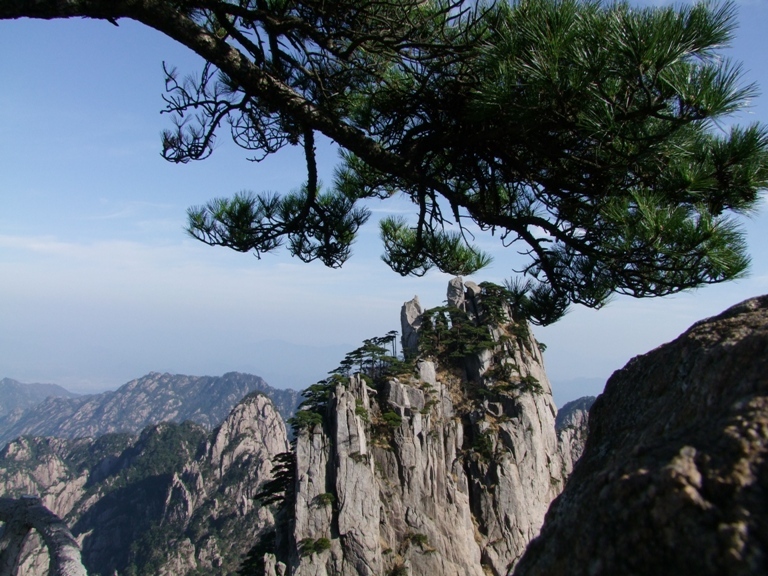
(251,428)
(442,464)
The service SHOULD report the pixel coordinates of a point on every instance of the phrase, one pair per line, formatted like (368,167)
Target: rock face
(437,470)
(148,400)
(572,425)
(674,477)
(410,321)
(175,500)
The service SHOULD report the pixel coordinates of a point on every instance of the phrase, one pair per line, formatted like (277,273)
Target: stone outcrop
(673,479)
(455,293)
(172,501)
(19,517)
(148,400)
(439,470)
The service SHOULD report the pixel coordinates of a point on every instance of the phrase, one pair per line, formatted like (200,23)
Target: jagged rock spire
(427,471)
(455,294)
(410,322)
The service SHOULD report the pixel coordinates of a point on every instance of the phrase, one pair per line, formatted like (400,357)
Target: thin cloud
(128,209)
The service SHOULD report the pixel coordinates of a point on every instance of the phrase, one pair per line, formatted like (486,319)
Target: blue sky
(99,284)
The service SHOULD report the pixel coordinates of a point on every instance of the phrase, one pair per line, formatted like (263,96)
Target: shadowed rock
(674,476)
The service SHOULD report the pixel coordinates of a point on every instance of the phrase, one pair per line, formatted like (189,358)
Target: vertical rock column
(410,322)
(337,496)
(356,487)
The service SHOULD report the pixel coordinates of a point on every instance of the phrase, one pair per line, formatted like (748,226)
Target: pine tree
(585,133)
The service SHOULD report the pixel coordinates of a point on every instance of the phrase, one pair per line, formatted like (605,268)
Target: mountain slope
(174,500)
(15,396)
(153,398)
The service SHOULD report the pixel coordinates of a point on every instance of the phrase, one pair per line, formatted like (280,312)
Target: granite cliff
(445,464)
(572,425)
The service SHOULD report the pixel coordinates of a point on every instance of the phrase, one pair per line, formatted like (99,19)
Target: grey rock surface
(19,517)
(455,293)
(575,413)
(572,425)
(410,322)
(673,476)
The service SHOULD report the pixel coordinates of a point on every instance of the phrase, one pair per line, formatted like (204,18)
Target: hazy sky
(99,284)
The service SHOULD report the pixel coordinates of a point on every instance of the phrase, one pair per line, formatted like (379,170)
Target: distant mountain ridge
(144,401)
(17,396)
(573,412)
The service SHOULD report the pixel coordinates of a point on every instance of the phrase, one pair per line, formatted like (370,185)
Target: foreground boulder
(674,478)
